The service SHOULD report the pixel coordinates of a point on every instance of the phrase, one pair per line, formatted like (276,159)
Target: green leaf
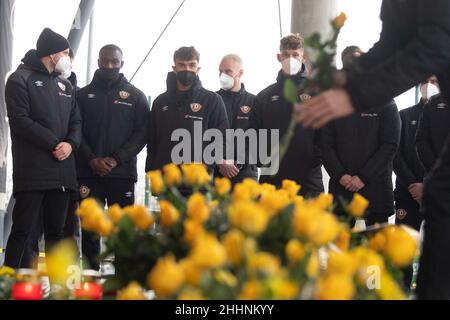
(290,91)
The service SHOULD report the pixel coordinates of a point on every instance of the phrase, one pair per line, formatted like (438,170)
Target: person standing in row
(115,118)
(45,131)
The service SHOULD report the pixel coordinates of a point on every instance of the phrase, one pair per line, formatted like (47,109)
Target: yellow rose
(208,252)
(343,238)
(367,259)
(389,289)
(291,187)
(92,221)
(266,188)
(156,182)
(6,272)
(400,247)
(195,174)
(323,202)
(343,263)
(326,229)
(234,245)
(106,227)
(377,242)
(172,175)
(89,207)
(295,251)
(248,217)
(358,206)
(312,267)
(283,289)
(131,292)
(115,213)
(252,290)
(191,294)
(140,216)
(192,230)
(335,287)
(339,21)
(262,262)
(275,201)
(241,193)
(62,256)
(192,272)
(223,186)
(166,277)
(197,208)
(168,213)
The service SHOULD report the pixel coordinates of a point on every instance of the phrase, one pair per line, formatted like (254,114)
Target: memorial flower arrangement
(250,242)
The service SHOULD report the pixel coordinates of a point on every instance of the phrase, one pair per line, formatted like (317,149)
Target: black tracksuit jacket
(42,112)
(115,119)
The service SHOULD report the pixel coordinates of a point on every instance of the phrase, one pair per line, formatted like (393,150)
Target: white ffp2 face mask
(226,81)
(291,66)
(428,90)
(63,65)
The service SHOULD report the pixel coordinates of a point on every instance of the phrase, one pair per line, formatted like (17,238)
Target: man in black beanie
(45,130)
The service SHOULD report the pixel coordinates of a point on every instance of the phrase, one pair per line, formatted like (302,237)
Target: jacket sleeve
(423,140)
(256,123)
(74,136)
(428,53)
(330,158)
(219,120)
(401,168)
(152,146)
(138,139)
(389,141)
(20,121)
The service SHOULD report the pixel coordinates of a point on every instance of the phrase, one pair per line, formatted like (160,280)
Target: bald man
(239,104)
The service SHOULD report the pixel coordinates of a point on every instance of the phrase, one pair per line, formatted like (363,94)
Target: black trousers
(433,281)
(107,192)
(26,217)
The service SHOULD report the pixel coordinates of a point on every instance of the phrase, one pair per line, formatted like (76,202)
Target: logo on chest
(245,109)
(124,95)
(196,107)
(39,84)
(91,96)
(369,115)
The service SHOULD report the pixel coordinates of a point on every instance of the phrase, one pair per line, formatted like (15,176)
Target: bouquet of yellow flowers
(250,242)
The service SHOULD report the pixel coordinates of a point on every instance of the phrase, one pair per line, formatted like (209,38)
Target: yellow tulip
(195,174)
(234,245)
(274,202)
(115,213)
(141,218)
(192,230)
(342,262)
(62,256)
(192,272)
(339,21)
(400,247)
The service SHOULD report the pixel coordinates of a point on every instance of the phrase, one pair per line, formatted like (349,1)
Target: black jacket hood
(32,61)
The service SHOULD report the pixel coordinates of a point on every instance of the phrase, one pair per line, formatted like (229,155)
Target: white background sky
(249,28)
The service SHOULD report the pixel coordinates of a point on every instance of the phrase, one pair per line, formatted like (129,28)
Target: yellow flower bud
(168,213)
(358,206)
(172,175)
(156,182)
(197,208)
(223,186)
(166,277)
(294,251)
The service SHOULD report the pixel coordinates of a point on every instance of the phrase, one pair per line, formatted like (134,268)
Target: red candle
(89,291)
(27,291)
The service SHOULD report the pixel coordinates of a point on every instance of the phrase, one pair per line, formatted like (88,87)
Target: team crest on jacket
(401,214)
(124,95)
(305,97)
(62,86)
(84,192)
(245,109)
(195,107)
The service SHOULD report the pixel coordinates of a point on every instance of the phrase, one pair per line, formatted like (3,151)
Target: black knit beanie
(50,42)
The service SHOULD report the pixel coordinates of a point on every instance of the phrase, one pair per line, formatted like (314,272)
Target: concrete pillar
(309,16)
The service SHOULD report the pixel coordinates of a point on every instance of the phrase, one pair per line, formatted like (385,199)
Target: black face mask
(186,78)
(108,75)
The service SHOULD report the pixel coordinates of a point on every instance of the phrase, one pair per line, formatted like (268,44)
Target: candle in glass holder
(89,291)
(27,291)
